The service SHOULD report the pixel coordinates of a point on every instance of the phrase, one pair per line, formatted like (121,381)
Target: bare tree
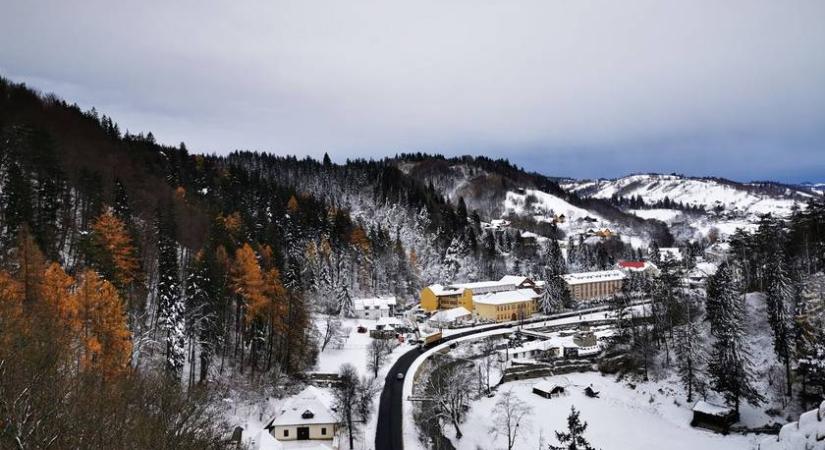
(332,332)
(448,388)
(487,362)
(379,350)
(346,396)
(368,389)
(510,413)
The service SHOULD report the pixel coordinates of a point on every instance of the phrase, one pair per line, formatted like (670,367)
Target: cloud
(574,85)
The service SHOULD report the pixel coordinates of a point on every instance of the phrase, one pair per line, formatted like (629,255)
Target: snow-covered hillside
(538,203)
(704,192)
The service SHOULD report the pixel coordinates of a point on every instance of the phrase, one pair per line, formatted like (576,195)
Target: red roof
(632,264)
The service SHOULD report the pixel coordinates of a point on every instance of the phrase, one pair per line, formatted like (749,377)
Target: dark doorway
(303,433)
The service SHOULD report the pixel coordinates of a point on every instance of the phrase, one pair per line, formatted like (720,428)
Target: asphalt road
(388,434)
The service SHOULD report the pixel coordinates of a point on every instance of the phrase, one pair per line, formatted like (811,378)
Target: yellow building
(436,296)
(512,296)
(508,305)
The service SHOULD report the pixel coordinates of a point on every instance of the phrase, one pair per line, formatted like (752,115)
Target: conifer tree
(573,438)
(555,296)
(689,357)
(780,299)
(170,301)
(116,256)
(729,364)
(103,331)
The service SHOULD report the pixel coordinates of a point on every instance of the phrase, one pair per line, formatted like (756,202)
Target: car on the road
(400,375)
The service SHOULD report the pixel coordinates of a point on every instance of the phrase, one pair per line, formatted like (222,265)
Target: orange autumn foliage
(56,292)
(292,204)
(248,279)
(102,328)
(112,235)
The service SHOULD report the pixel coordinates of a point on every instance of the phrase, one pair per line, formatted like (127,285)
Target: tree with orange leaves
(115,252)
(56,292)
(248,285)
(292,204)
(106,340)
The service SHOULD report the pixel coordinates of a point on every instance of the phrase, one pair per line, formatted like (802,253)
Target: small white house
(374,308)
(306,416)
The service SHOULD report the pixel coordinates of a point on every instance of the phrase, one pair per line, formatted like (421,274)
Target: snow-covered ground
(353,350)
(620,419)
(253,412)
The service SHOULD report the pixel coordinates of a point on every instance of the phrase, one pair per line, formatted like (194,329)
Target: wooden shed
(548,390)
(713,417)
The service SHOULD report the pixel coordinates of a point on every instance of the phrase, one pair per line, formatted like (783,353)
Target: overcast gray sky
(579,88)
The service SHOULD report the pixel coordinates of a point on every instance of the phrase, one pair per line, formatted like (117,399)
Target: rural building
(438,296)
(510,298)
(373,308)
(713,417)
(448,317)
(548,390)
(601,285)
(506,305)
(308,415)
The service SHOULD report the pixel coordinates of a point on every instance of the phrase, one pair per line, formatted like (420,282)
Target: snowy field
(621,419)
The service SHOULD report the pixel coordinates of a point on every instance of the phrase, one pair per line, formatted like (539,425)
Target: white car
(400,375)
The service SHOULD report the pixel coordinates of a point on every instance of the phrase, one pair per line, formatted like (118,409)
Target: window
(323,431)
(286,433)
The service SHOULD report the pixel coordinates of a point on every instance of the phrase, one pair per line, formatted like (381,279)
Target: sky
(732,88)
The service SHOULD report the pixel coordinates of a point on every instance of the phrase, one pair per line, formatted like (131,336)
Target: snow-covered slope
(807,433)
(533,202)
(709,193)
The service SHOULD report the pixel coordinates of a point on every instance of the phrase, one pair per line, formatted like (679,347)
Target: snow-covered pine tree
(780,299)
(555,294)
(729,364)
(554,259)
(573,438)
(690,357)
(170,302)
(199,312)
(344,299)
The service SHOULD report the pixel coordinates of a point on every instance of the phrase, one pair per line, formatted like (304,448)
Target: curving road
(388,434)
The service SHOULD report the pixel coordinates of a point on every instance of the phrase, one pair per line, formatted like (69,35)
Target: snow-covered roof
(440,290)
(449,315)
(546,386)
(478,286)
(505,297)
(637,266)
(376,302)
(516,280)
(593,277)
(711,409)
(312,400)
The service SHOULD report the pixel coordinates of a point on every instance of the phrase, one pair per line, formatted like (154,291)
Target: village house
(306,416)
(588,286)
(374,308)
